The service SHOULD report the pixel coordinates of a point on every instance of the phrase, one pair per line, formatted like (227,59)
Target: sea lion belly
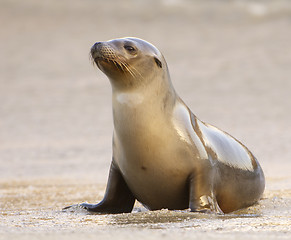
(152,158)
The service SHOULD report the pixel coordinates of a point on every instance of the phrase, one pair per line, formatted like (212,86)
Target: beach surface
(230,61)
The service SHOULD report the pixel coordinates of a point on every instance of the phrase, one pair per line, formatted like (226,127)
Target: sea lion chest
(151,155)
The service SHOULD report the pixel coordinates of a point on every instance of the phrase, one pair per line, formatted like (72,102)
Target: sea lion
(163,155)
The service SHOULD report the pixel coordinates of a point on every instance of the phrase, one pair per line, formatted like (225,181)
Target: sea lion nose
(96,49)
(96,46)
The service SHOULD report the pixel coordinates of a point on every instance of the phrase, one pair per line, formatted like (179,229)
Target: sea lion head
(129,62)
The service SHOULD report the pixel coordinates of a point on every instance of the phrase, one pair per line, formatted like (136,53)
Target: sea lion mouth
(113,62)
(121,65)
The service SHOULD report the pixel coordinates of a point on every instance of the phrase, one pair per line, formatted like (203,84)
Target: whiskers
(92,60)
(120,64)
(126,68)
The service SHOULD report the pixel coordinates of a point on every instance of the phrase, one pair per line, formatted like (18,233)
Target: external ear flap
(158,62)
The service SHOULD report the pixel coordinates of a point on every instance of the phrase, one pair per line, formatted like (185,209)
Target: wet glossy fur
(163,156)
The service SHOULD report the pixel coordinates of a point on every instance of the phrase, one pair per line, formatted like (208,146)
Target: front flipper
(118,197)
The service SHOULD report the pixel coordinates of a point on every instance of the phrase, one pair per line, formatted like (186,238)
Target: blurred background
(229,60)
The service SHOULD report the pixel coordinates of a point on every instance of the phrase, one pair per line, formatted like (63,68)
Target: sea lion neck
(145,97)
(160,94)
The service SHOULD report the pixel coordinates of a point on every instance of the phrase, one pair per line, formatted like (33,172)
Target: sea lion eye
(158,62)
(129,48)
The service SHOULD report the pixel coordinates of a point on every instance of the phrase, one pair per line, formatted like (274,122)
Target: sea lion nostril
(96,46)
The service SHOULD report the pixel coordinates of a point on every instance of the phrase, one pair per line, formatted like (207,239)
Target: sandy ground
(229,60)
